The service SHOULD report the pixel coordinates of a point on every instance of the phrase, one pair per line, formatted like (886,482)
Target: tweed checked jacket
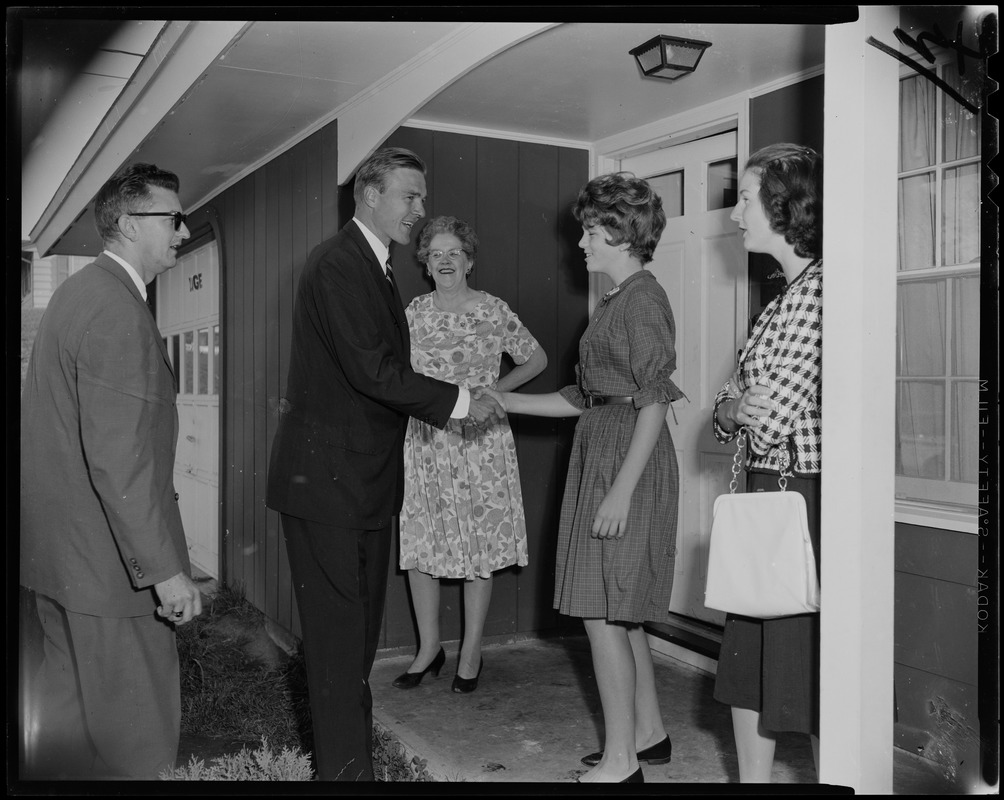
(785,353)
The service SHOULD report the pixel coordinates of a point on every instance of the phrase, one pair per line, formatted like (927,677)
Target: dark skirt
(772,666)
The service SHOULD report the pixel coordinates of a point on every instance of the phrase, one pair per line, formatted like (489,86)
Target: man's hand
(484,409)
(180,599)
(497,396)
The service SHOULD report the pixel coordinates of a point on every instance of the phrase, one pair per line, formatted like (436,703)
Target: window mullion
(939,172)
(949,373)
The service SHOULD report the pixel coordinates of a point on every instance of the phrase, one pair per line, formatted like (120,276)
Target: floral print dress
(463,505)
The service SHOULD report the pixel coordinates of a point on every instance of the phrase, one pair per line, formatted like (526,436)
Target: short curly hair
(126,192)
(457,227)
(791,193)
(627,207)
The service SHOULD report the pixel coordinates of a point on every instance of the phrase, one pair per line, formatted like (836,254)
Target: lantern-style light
(669,56)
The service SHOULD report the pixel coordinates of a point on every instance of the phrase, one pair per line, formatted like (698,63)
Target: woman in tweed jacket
(768,670)
(617,535)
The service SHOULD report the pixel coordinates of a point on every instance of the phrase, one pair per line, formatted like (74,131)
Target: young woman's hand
(611,516)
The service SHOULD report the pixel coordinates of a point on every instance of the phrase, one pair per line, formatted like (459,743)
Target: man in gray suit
(103,552)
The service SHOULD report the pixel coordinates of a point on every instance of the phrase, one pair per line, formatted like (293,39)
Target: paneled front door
(701,264)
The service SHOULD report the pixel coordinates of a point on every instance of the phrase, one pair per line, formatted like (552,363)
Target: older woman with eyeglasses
(463,507)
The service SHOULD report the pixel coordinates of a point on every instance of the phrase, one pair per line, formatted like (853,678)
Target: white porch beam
(365,123)
(859,336)
(179,56)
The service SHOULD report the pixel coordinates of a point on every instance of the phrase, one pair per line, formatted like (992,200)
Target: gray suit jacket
(100,523)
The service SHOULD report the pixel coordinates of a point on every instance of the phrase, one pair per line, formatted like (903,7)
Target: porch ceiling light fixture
(669,57)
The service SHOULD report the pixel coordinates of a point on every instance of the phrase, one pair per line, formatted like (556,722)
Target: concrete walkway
(536,712)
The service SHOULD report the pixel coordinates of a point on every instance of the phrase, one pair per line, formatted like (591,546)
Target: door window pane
(203,363)
(217,365)
(723,184)
(188,379)
(670,188)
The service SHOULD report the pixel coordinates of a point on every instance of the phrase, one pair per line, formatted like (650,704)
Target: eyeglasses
(177,216)
(453,255)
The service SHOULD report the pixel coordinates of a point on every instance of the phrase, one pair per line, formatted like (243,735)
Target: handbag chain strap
(737,464)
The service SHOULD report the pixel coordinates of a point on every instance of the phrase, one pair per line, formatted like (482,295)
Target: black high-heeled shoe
(467,685)
(659,753)
(409,680)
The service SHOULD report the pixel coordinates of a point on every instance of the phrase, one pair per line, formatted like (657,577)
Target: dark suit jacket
(100,522)
(337,454)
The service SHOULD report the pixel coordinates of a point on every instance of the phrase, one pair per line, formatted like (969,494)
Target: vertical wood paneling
(277,261)
(514,195)
(539,223)
(237,386)
(496,272)
(263,226)
(247,387)
(288,615)
(328,168)
(228,299)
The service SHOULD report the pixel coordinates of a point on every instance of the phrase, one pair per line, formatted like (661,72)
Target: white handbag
(761,562)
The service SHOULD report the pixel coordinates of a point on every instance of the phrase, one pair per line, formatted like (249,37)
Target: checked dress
(628,349)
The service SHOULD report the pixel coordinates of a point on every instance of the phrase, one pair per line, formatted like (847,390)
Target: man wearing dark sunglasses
(103,553)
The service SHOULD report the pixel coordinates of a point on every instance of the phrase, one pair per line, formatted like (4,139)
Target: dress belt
(592,400)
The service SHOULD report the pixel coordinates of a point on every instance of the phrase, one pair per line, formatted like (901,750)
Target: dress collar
(623,284)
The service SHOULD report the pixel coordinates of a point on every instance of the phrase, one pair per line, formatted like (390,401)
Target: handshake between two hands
(487,407)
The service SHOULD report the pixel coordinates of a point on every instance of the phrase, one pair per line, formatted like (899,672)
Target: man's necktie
(390,280)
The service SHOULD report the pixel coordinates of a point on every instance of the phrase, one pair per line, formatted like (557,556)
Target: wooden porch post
(859,336)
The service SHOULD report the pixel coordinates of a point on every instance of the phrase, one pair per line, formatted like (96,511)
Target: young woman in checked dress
(617,536)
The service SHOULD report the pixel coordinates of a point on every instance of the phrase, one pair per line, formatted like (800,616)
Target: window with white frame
(938,295)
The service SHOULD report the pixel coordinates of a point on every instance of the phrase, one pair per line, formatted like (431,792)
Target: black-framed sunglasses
(177,216)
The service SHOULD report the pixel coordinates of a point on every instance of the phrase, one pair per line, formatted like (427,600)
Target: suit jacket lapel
(111,266)
(377,274)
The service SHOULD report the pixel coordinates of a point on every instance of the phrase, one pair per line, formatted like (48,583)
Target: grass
(240,689)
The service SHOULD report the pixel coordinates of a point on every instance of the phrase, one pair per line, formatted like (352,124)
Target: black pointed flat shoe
(635,777)
(409,680)
(467,685)
(659,753)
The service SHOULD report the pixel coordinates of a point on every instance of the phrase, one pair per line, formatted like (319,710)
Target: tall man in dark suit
(337,470)
(102,544)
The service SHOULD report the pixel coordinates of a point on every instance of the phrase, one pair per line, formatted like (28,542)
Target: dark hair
(128,191)
(791,193)
(378,166)
(627,207)
(462,230)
